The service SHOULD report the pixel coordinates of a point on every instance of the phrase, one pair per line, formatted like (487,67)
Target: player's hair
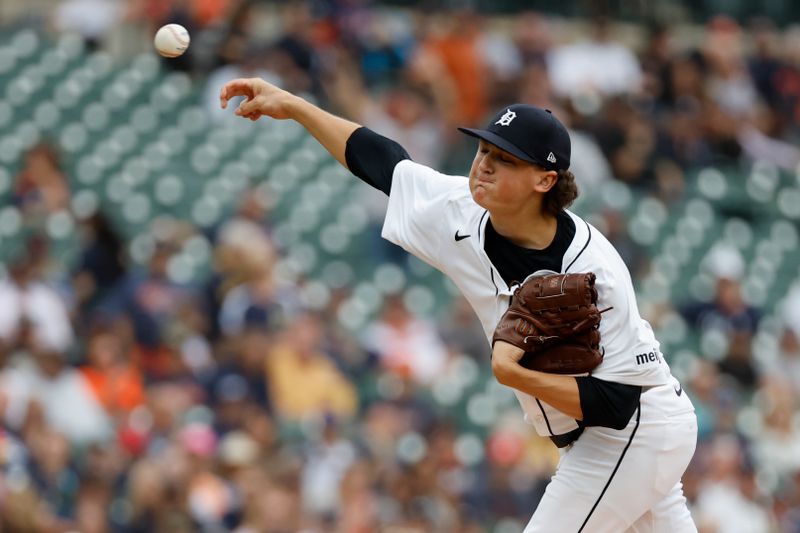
(562,194)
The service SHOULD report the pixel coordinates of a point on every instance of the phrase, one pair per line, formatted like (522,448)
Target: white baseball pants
(617,481)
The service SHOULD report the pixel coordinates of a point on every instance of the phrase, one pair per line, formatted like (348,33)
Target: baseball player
(627,431)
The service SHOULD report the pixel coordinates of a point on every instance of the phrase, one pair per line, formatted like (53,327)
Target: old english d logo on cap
(507,117)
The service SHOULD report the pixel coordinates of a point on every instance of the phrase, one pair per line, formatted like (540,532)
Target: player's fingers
(248,107)
(238,87)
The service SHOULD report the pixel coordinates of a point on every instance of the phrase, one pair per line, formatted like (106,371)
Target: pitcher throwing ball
(555,300)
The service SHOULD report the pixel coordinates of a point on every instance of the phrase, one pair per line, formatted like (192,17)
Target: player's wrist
(296,107)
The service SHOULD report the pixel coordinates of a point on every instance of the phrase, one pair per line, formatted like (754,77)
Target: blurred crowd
(131,402)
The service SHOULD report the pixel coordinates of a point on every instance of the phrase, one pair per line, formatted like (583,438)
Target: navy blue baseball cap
(530,133)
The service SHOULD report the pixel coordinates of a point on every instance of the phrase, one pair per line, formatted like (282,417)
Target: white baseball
(171,40)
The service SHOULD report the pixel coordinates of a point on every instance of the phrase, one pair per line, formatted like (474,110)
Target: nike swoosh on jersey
(678,390)
(461,237)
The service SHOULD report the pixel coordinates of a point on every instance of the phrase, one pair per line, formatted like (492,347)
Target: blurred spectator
(41,187)
(298,358)
(787,360)
(91,19)
(360,502)
(785,363)
(765,62)
(113,378)
(406,346)
(727,501)
(152,300)
(241,379)
(453,41)
(41,381)
(293,57)
(778,446)
(33,315)
(593,69)
(787,81)
(728,311)
(729,83)
(327,458)
(102,262)
(53,474)
(533,37)
(243,291)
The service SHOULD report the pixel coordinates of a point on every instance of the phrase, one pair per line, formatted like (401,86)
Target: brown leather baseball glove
(555,319)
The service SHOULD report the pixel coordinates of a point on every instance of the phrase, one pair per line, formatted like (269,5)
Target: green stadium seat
(68,93)
(334,239)
(73,137)
(6,114)
(71,45)
(84,203)
(788,202)
(10,149)
(6,181)
(174,139)
(25,43)
(784,233)
(10,221)
(193,121)
(762,182)
(205,159)
(147,66)
(144,119)
(206,212)
(136,208)
(28,134)
(99,64)
(54,63)
(169,190)
(47,116)
(712,183)
(8,61)
(157,155)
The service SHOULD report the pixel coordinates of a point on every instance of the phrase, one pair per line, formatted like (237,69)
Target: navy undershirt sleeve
(607,404)
(372,158)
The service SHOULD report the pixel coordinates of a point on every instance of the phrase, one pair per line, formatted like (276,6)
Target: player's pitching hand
(262,98)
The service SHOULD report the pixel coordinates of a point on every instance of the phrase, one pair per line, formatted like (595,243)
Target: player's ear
(544,180)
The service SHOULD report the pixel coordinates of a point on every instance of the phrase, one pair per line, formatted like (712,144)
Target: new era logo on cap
(529,133)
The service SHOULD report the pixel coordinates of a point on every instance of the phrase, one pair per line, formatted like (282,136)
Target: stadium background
(201,330)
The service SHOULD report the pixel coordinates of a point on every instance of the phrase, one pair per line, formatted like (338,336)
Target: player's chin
(481,195)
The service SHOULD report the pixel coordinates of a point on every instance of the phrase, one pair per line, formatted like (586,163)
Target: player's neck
(534,231)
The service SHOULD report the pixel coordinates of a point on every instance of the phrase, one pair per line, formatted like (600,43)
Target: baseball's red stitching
(177,36)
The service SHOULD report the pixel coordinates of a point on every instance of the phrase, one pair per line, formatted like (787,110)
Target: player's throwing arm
(263,99)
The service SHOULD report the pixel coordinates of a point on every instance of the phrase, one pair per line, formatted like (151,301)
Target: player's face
(500,181)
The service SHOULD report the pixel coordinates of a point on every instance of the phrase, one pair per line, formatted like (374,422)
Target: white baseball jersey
(434,217)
